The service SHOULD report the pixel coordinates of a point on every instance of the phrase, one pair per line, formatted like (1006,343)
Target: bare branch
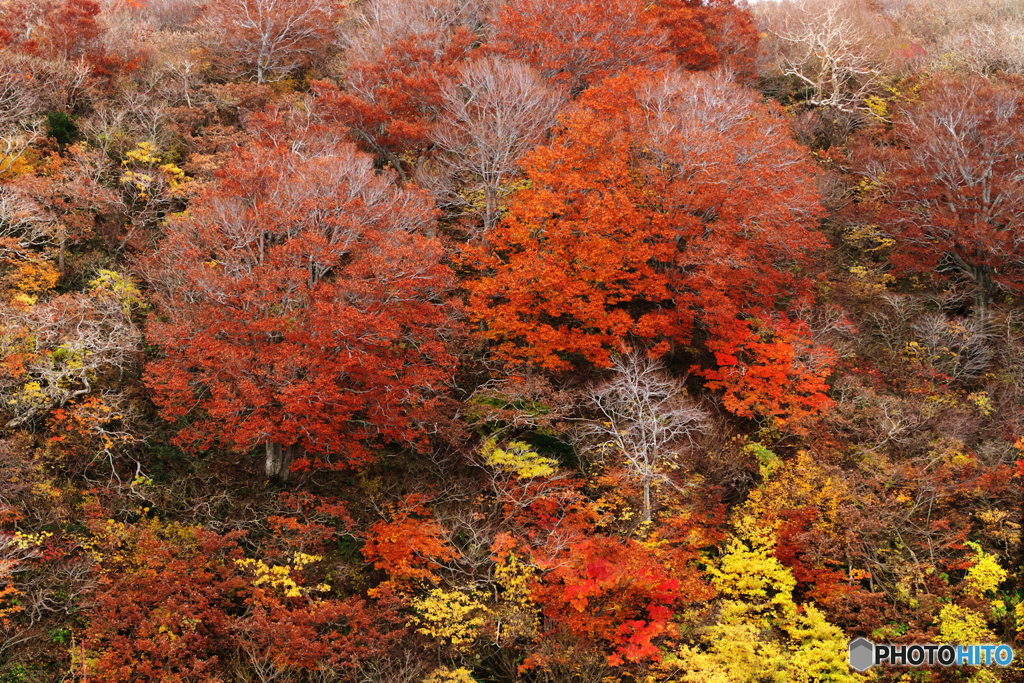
(492,114)
(645,416)
(839,50)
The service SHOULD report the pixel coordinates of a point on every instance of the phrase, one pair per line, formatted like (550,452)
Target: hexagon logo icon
(862,654)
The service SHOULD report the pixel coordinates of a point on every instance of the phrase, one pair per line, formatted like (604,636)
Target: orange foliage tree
(776,371)
(704,34)
(667,203)
(410,546)
(573,269)
(71,194)
(66,32)
(579,43)
(176,600)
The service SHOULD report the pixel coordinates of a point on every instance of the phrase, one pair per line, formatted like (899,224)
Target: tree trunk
(490,207)
(279,460)
(647,500)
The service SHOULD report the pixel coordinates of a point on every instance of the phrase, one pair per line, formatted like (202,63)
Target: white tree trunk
(279,460)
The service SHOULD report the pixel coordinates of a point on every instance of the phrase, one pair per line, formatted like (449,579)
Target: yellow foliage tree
(801,482)
(451,617)
(963,625)
(760,633)
(986,574)
(518,459)
(443,674)
(517,614)
(749,573)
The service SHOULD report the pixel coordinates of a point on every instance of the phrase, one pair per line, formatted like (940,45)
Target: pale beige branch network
(838,51)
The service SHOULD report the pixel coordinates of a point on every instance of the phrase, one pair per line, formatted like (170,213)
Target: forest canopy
(481,341)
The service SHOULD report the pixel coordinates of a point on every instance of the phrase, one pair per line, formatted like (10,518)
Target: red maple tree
(617,593)
(947,187)
(578,43)
(303,309)
(392,89)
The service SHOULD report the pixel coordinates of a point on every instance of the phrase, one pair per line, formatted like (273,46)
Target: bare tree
(266,40)
(645,415)
(839,50)
(492,114)
(18,100)
(24,228)
(381,23)
(958,348)
(19,128)
(404,669)
(173,15)
(179,59)
(984,48)
(14,554)
(931,22)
